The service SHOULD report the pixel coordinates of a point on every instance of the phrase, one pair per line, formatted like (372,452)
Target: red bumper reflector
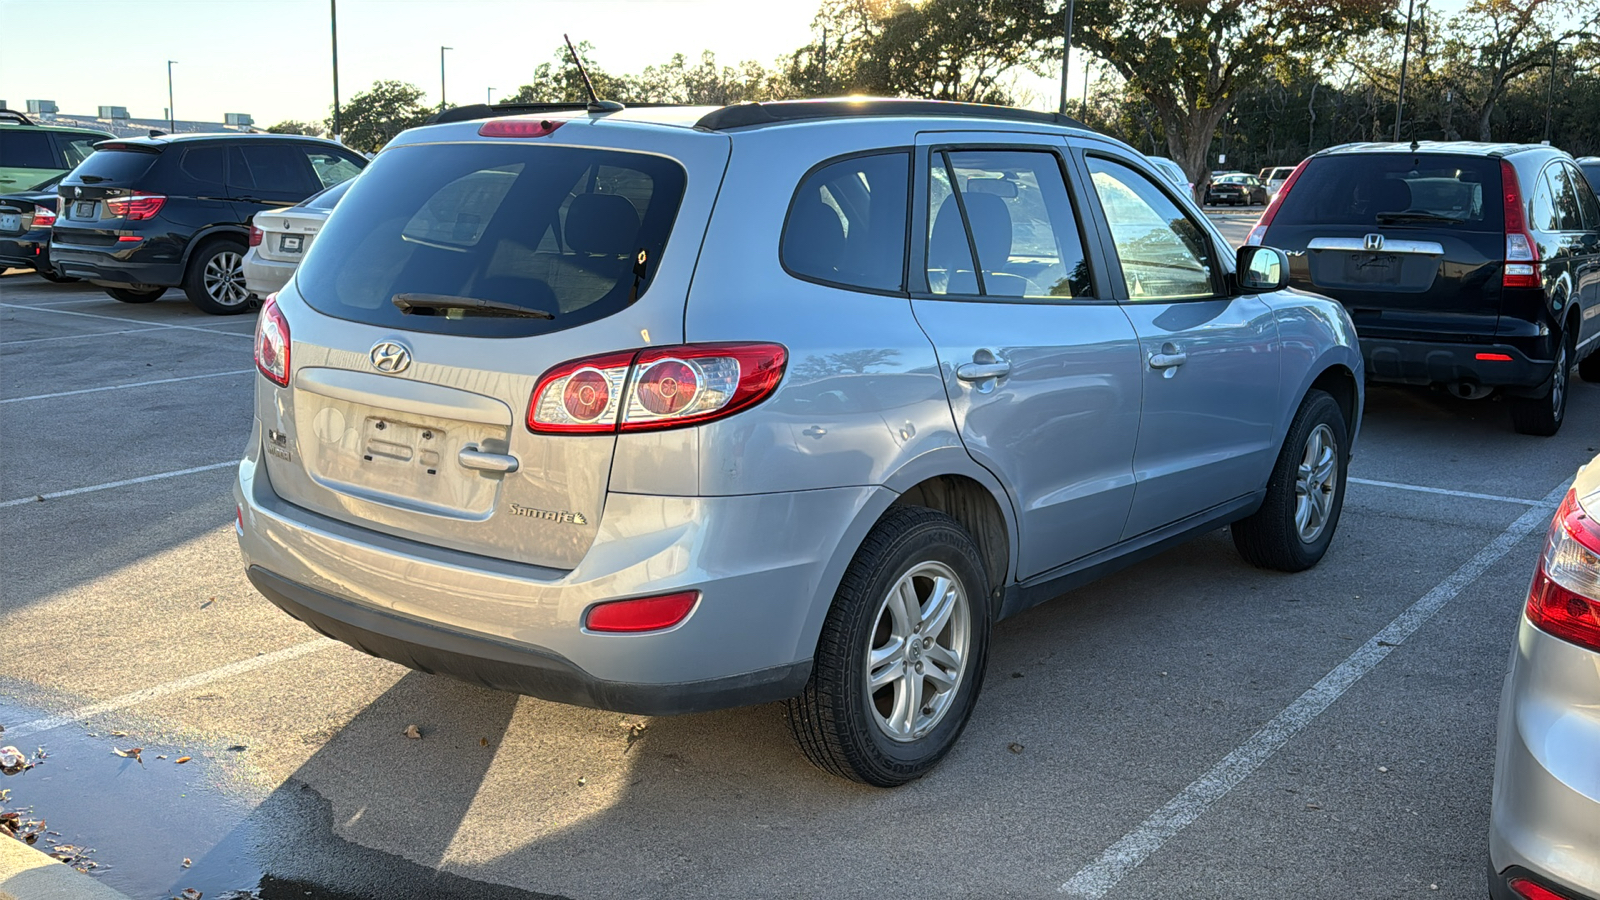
(129,239)
(1494,357)
(643,614)
(1533,891)
(238,519)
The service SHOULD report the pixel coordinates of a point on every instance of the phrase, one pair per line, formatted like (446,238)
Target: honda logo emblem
(1373,242)
(390,358)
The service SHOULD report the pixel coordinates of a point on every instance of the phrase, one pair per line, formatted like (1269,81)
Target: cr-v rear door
(414,424)
(1040,364)
(1410,243)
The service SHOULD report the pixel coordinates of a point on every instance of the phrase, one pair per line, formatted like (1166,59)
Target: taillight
(1259,233)
(255,236)
(642,614)
(522,128)
(655,388)
(136,206)
(1564,599)
(272,343)
(43,217)
(1522,256)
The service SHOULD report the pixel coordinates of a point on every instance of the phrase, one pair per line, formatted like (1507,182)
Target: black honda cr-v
(1474,267)
(141,215)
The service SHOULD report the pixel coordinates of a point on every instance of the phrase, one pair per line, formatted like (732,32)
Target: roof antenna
(596,105)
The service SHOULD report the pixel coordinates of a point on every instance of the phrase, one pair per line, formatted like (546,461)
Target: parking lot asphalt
(1191,727)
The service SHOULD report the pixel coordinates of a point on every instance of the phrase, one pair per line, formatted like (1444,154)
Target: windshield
(1427,190)
(573,232)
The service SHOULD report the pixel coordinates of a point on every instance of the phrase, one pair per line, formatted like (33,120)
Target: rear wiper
(412,303)
(1418,217)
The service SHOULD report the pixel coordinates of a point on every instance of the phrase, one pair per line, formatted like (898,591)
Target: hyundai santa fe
(672,409)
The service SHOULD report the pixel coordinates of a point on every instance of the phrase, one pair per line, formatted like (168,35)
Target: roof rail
(15,116)
(744,115)
(474,111)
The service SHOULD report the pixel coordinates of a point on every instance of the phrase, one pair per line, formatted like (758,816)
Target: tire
(854,734)
(214,281)
(1542,415)
(136,295)
(1295,524)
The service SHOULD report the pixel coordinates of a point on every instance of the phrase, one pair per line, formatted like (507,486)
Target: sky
(271,59)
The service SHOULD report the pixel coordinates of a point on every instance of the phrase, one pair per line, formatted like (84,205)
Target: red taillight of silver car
(1564,599)
(654,388)
(272,343)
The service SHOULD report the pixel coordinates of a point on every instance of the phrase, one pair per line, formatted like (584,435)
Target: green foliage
(373,117)
(291,126)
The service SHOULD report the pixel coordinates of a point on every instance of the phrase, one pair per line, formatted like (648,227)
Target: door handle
(976,371)
(471,457)
(1170,357)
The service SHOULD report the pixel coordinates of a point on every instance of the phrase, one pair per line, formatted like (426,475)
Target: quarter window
(1569,213)
(847,223)
(1164,254)
(1586,198)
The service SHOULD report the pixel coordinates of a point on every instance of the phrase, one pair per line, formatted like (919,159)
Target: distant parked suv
(1472,267)
(667,410)
(31,153)
(146,214)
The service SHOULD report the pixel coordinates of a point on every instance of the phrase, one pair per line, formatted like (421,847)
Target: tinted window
(27,149)
(1426,190)
(574,232)
(329,198)
(1586,198)
(1014,206)
(847,223)
(330,167)
(271,168)
(1164,253)
(1569,213)
(1542,208)
(114,166)
(204,164)
(1591,171)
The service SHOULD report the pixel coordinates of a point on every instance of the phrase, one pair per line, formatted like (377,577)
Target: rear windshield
(576,233)
(1396,189)
(328,198)
(114,166)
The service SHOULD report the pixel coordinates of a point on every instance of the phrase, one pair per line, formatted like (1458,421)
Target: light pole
(1405,57)
(172,114)
(1066,56)
(491,97)
(333,19)
(1550,91)
(441,76)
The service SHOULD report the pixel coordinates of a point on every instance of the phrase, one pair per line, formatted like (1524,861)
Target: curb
(27,874)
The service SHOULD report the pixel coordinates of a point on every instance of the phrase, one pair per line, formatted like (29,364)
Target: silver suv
(666,410)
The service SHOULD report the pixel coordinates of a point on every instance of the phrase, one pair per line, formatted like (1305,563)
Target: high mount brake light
(520,128)
(1522,254)
(1564,599)
(136,206)
(1259,233)
(272,343)
(654,388)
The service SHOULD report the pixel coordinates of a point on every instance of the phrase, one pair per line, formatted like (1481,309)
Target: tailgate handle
(471,457)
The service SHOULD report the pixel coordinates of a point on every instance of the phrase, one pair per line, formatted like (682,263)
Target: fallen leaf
(483,742)
(119,734)
(1014,747)
(190,894)
(237,748)
(181,760)
(413,732)
(186,862)
(130,753)
(13,761)
(582,780)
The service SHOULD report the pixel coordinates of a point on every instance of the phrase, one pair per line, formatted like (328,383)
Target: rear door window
(571,232)
(1385,189)
(1586,198)
(847,223)
(28,149)
(271,172)
(1568,209)
(204,164)
(1164,254)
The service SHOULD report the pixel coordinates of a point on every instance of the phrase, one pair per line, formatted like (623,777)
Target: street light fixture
(172,114)
(441,76)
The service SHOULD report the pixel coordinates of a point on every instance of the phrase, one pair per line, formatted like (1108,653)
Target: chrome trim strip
(1358,245)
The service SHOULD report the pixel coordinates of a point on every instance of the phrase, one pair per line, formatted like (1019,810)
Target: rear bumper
(25,251)
(1437,362)
(264,276)
(114,267)
(1545,816)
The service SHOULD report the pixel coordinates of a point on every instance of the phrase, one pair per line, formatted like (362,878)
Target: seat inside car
(991,232)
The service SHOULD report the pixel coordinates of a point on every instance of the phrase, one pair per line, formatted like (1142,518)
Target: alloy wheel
(1315,483)
(224,278)
(918,655)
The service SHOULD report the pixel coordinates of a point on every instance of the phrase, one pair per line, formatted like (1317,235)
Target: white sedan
(279,239)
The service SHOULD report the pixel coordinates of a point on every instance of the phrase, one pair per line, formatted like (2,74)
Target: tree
(559,81)
(1191,59)
(705,84)
(292,126)
(1495,43)
(373,117)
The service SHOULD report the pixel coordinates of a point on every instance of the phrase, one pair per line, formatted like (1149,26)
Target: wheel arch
(210,233)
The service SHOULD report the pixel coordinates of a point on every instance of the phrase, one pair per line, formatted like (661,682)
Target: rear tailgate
(287,234)
(400,422)
(110,173)
(1411,244)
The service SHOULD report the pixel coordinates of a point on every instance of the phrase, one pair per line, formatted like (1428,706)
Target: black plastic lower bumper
(113,268)
(1428,362)
(492,662)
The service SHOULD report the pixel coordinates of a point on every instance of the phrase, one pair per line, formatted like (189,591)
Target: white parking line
(170,687)
(55,495)
(73,337)
(1097,878)
(118,387)
(1448,493)
(68,312)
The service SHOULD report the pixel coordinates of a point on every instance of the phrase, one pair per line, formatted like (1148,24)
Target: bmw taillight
(654,388)
(255,236)
(43,217)
(1522,255)
(136,206)
(272,343)
(1564,599)
(1259,233)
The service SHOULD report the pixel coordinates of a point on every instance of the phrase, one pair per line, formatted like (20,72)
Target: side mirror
(1262,269)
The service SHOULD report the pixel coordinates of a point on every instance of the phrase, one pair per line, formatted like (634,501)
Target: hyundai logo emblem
(390,358)
(1373,242)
